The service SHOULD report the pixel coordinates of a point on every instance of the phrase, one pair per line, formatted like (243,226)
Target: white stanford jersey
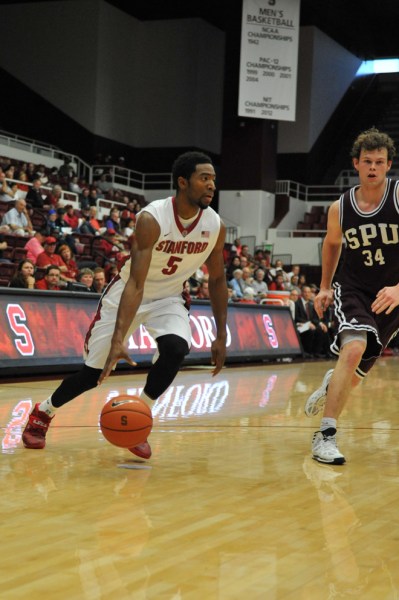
(178,252)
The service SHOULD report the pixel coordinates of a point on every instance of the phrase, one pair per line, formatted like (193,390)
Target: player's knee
(90,376)
(172,347)
(353,353)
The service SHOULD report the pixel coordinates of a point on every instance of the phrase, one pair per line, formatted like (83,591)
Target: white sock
(328,422)
(47,407)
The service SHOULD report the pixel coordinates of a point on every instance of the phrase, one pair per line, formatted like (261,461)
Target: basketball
(126,421)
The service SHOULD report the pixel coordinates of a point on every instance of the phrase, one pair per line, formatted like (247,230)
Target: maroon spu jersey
(371,257)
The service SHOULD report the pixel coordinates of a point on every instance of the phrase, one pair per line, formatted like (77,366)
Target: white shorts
(160,317)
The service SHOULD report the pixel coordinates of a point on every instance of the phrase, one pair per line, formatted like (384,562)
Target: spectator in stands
(49,257)
(236,247)
(66,169)
(294,295)
(85,226)
(34,196)
(268,258)
(93,197)
(293,284)
(31,172)
(263,264)
(84,199)
(71,273)
(10,172)
(278,283)
(8,190)
(107,246)
(237,284)
(129,212)
(247,277)
(232,266)
(24,277)
(243,262)
(248,296)
(259,285)
(187,295)
(301,280)
(4,163)
(23,187)
(60,221)
(201,273)
(112,223)
(278,269)
(129,228)
(94,222)
(17,220)
(3,246)
(230,293)
(71,218)
(41,174)
(245,252)
(86,277)
(295,270)
(258,255)
(53,227)
(51,280)
(313,332)
(314,290)
(203,291)
(54,197)
(73,186)
(104,184)
(99,280)
(54,175)
(34,246)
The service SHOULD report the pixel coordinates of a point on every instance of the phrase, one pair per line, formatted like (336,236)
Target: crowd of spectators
(57,255)
(257,280)
(56,232)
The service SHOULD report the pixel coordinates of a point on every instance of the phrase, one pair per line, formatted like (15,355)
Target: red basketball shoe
(34,435)
(142,450)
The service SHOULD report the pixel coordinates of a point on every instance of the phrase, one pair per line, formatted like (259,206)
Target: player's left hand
(218,351)
(386,300)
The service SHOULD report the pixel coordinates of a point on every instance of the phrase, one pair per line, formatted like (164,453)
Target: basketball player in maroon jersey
(366,287)
(173,238)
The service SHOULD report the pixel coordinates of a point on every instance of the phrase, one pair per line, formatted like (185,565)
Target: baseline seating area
(313,223)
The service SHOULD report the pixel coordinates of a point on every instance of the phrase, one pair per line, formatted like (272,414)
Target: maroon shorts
(353,313)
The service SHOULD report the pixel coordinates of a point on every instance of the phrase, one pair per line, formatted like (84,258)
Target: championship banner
(269,59)
(44,331)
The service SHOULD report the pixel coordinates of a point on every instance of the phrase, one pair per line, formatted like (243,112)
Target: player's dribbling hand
(218,356)
(116,354)
(322,301)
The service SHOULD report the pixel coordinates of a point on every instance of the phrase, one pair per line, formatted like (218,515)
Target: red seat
(7,270)
(8,252)
(19,254)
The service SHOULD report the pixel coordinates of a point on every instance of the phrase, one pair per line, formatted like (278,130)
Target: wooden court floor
(230,506)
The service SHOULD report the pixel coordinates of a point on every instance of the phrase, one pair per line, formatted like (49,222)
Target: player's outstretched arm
(218,297)
(146,234)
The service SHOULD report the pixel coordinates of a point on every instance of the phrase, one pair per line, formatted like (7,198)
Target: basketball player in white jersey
(173,238)
(366,286)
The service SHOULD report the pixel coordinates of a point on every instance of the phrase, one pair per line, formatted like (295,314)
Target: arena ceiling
(366,28)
